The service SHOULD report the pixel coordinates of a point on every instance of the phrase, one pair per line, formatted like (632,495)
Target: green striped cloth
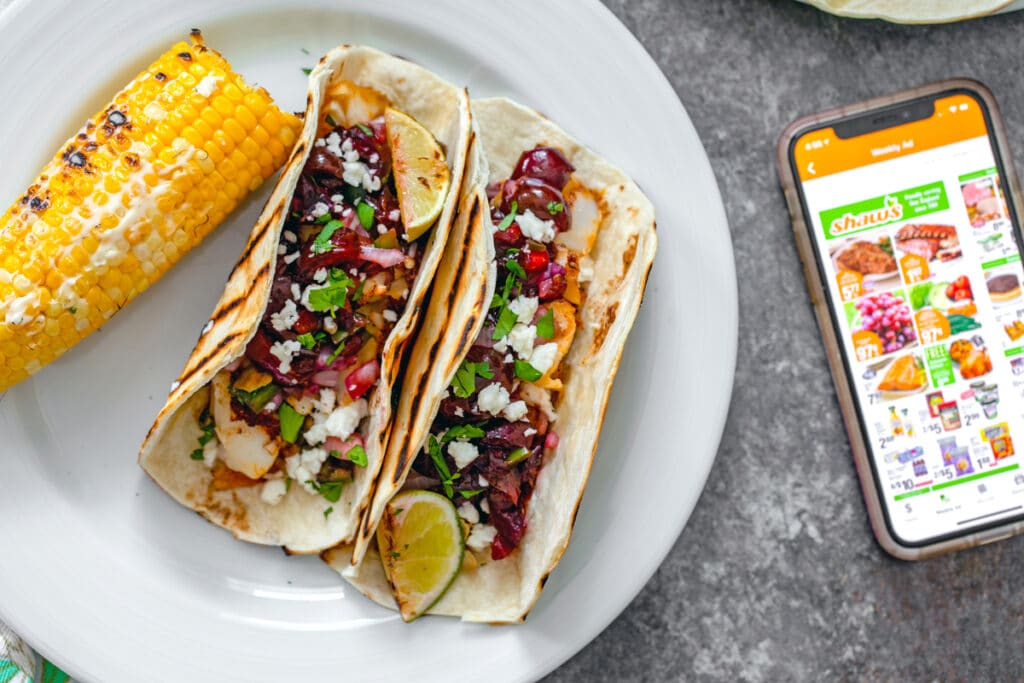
(19,664)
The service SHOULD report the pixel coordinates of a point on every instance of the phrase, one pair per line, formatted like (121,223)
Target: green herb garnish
(322,243)
(331,490)
(506,321)
(395,554)
(555,207)
(358,294)
(330,120)
(304,50)
(291,422)
(462,432)
(512,266)
(365,212)
(307,70)
(546,325)
(517,455)
(197,454)
(446,476)
(365,129)
(337,352)
(332,296)
(357,454)
(464,382)
(470,494)
(507,220)
(307,340)
(208,435)
(325,218)
(328,511)
(527,372)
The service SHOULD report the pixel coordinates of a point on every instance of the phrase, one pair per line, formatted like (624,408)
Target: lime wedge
(421,546)
(421,174)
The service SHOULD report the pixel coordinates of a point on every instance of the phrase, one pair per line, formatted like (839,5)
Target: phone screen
(918,248)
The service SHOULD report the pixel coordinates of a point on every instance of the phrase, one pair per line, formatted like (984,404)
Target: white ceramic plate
(111,579)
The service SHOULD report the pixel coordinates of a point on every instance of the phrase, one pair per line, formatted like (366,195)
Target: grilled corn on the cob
(145,180)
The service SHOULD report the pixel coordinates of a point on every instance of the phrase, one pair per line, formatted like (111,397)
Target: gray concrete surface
(777,576)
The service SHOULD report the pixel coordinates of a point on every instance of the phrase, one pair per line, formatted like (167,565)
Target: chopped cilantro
(507,220)
(357,454)
(365,129)
(462,432)
(291,422)
(358,294)
(322,243)
(470,494)
(328,511)
(464,382)
(517,455)
(546,325)
(306,70)
(325,218)
(555,207)
(527,372)
(331,490)
(330,120)
(288,484)
(395,554)
(208,435)
(73,309)
(197,454)
(333,295)
(446,476)
(512,266)
(307,340)
(506,321)
(337,351)
(365,212)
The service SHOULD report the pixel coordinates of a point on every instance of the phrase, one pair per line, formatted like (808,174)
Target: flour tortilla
(298,522)
(912,11)
(505,591)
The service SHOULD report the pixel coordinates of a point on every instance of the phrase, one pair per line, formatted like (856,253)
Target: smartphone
(906,214)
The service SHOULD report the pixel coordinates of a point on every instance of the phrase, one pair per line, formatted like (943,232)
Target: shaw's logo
(890,212)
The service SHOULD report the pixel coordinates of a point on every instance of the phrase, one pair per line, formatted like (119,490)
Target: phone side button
(993,536)
(810,283)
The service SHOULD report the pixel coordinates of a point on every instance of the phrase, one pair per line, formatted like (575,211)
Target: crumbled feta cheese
(333,140)
(381,228)
(286,317)
(521,339)
(445,394)
(485,507)
(463,453)
(319,209)
(330,326)
(493,398)
(535,228)
(389,315)
(525,307)
(210,452)
(304,299)
(291,258)
(515,411)
(328,399)
(290,237)
(284,351)
(483,482)
(395,215)
(374,158)
(347,151)
(481,537)
(296,291)
(273,491)
(337,198)
(469,513)
(459,412)
(508,358)
(586,273)
(357,174)
(338,208)
(529,431)
(319,142)
(281,250)
(304,467)
(340,423)
(501,346)
(405,294)
(543,356)
(320,275)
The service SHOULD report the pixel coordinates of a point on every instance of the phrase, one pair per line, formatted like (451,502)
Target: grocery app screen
(923,268)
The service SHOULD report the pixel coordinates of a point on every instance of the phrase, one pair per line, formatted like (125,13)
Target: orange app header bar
(821,152)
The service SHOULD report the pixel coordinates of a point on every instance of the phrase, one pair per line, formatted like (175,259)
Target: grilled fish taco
(509,430)
(277,426)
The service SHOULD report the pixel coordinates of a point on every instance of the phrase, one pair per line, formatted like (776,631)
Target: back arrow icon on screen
(810,168)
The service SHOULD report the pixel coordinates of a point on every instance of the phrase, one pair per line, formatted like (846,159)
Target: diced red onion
(353,223)
(234,365)
(274,403)
(386,258)
(333,443)
(323,357)
(326,378)
(551,440)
